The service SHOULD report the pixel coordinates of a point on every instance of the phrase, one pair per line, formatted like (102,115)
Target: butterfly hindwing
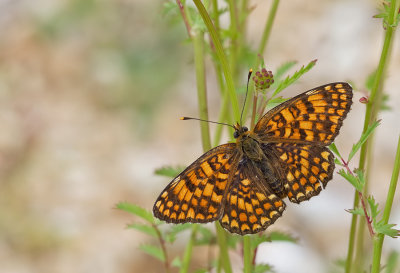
(250,206)
(196,194)
(306,169)
(314,116)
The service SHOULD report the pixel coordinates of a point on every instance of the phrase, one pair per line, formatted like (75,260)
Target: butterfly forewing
(306,168)
(196,194)
(314,116)
(250,206)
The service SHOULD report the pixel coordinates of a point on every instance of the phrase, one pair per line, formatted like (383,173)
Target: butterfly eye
(236,134)
(245,129)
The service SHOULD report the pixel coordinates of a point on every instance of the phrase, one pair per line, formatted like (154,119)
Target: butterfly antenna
(188,118)
(247,91)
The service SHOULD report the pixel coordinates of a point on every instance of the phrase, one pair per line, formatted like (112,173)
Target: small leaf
(335,150)
(262,268)
(275,101)
(153,251)
(282,70)
(360,177)
(169,171)
(176,262)
(337,162)
(352,179)
(357,211)
(363,138)
(291,79)
(373,207)
(136,210)
(386,229)
(149,230)
(281,236)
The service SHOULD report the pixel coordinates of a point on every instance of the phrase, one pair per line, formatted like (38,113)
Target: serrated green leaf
(176,262)
(357,211)
(352,179)
(386,229)
(291,79)
(262,268)
(154,251)
(275,101)
(337,162)
(149,230)
(360,177)
(136,210)
(335,150)
(169,171)
(281,236)
(373,206)
(282,70)
(362,139)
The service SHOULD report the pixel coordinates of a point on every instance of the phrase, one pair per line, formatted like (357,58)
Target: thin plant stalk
(221,56)
(263,44)
(370,115)
(247,255)
(378,240)
(198,45)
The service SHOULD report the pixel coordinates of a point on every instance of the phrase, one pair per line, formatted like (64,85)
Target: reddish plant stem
(185,19)
(369,221)
(164,249)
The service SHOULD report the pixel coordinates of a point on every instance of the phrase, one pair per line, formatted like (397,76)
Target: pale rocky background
(90,95)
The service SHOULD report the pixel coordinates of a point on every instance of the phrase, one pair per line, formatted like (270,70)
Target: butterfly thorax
(249,143)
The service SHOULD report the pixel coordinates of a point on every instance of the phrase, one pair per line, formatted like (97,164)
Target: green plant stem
(224,256)
(267,28)
(198,45)
(262,46)
(234,32)
(378,239)
(187,255)
(370,115)
(221,56)
(247,255)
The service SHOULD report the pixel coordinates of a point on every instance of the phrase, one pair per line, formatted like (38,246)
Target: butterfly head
(239,130)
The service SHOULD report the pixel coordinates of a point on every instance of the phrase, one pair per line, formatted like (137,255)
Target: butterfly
(242,184)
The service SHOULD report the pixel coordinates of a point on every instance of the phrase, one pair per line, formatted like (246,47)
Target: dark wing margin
(314,116)
(197,193)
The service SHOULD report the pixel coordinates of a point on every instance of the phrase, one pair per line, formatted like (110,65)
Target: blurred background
(90,98)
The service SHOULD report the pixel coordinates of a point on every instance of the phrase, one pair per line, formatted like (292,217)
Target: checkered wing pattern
(197,193)
(314,116)
(250,206)
(306,169)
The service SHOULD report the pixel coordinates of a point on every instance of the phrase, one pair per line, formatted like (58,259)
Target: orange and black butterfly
(242,184)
